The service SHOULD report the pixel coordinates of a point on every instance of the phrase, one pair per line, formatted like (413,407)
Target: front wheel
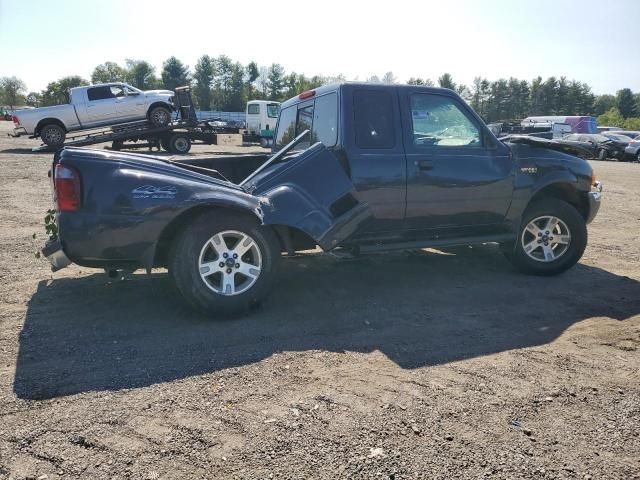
(224,263)
(160,116)
(551,239)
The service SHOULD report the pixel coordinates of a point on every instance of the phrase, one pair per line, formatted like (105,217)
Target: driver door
(129,103)
(459,177)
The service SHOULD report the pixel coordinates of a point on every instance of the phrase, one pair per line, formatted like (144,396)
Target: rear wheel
(53,135)
(224,263)
(159,116)
(552,238)
(179,143)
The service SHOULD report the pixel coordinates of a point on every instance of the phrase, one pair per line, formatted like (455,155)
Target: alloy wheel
(546,238)
(230,262)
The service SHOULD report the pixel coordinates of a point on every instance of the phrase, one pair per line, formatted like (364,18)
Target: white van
(262,116)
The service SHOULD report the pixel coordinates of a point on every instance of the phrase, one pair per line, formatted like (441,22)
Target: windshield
(619,138)
(272,110)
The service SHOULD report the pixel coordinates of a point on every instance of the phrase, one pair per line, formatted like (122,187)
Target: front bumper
(55,254)
(632,150)
(18,132)
(595,197)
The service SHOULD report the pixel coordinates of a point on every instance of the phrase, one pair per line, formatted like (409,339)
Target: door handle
(424,164)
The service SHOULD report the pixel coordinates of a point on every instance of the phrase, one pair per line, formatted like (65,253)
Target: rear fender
(311,193)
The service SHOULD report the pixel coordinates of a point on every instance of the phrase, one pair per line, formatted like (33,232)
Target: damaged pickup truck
(362,167)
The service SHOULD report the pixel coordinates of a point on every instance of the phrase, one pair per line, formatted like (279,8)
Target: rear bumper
(595,197)
(53,252)
(18,132)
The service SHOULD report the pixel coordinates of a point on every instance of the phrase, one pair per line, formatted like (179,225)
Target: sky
(591,41)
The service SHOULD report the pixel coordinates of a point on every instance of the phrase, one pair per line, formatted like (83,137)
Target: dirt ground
(422,364)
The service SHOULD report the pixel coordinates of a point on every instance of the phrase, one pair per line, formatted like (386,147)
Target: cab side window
(99,93)
(373,117)
(438,121)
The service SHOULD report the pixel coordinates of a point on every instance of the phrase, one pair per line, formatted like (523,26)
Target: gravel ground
(423,364)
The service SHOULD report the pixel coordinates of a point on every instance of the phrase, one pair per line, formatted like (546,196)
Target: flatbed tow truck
(175,137)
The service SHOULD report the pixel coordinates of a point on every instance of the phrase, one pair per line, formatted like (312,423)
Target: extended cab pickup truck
(361,167)
(94,106)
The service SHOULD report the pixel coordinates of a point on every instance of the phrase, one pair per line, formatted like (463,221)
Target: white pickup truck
(94,106)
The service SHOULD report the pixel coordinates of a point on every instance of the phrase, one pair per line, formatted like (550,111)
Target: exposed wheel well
(175,226)
(566,192)
(48,121)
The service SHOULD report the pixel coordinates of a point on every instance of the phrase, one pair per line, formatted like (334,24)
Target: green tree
(626,103)
(141,74)
(33,99)
(203,76)
(174,73)
(611,118)
(603,103)
(253,73)
(237,98)
(108,72)
(446,81)
(12,91)
(275,84)
(57,93)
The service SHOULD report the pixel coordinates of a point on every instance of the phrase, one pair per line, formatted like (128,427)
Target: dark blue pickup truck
(361,167)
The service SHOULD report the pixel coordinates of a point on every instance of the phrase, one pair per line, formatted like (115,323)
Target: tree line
(219,83)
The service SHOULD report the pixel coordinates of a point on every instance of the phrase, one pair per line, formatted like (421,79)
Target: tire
(53,135)
(209,292)
(179,143)
(264,143)
(602,154)
(159,116)
(117,145)
(565,242)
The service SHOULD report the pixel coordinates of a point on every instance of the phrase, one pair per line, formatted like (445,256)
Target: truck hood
(558,145)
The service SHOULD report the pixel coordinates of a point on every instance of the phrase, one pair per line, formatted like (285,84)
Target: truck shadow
(419,308)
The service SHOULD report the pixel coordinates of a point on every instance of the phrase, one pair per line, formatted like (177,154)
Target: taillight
(15,120)
(307,94)
(67,188)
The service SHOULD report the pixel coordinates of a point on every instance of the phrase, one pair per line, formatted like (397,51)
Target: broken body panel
(129,202)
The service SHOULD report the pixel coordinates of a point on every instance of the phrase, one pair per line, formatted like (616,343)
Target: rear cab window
(319,115)
(253,109)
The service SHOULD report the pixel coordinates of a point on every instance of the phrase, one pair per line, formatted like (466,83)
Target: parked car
(604,146)
(5,113)
(633,149)
(94,106)
(627,133)
(364,167)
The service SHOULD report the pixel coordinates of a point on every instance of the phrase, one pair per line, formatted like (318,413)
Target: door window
(117,91)
(439,121)
(253,109)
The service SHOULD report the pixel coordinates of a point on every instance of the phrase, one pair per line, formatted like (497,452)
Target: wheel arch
(563,190)
(172,229)
(48,121)
(159,103)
